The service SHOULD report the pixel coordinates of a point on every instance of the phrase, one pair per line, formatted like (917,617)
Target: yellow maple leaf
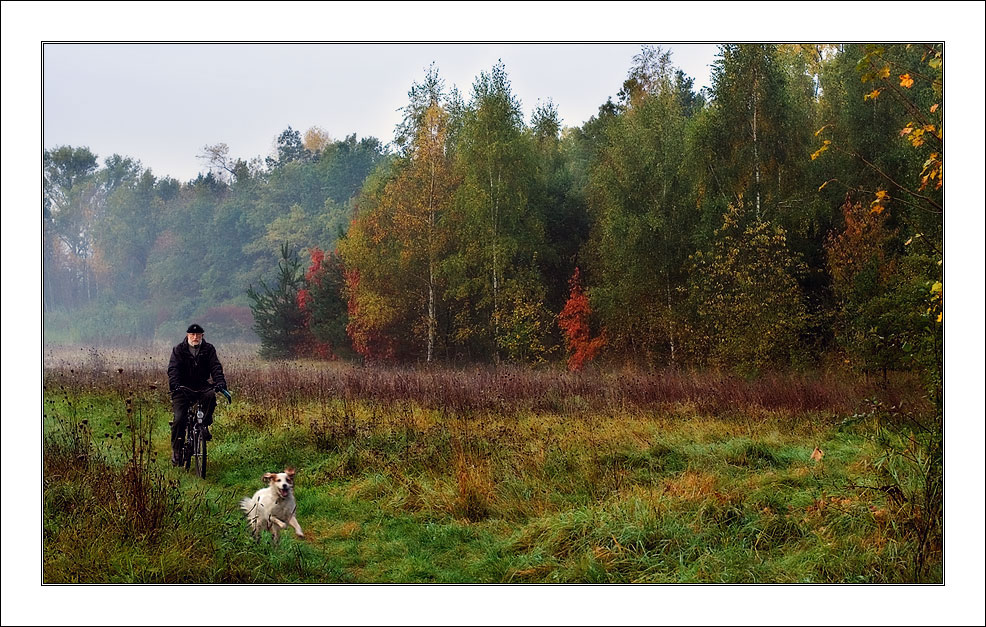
(906,81)
(884,73)
(872,95)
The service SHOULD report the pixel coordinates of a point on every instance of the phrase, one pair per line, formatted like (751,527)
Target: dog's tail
(247,505)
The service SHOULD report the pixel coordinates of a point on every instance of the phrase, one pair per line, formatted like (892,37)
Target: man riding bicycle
(193,362)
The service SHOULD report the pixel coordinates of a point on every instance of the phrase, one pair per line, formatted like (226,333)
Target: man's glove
(222,390)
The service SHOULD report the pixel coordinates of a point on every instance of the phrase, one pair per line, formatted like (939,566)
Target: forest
(788,216)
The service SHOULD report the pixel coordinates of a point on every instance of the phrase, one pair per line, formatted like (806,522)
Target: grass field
(478,475)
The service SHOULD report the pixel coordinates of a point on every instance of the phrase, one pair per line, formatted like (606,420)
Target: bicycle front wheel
(200,457)
(187,450)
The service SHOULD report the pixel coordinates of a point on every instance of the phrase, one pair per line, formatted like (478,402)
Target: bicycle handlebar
(226,393)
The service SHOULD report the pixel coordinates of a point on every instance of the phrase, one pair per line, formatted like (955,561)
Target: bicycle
(194,449)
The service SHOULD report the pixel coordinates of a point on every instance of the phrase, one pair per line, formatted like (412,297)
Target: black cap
(195,329)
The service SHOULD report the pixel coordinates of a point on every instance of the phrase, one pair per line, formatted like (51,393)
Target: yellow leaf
(878,205)
(817,454)
(939,316)
(884,73)
(907,129)
(828,125)
(906,81)
(872,95)
(930,128)
(934,107)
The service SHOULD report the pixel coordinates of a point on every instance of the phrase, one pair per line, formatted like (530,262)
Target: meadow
(482,475)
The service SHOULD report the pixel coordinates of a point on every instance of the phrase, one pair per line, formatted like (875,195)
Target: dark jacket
(194,372)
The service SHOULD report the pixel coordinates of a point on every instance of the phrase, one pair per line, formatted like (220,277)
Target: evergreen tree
(278,319)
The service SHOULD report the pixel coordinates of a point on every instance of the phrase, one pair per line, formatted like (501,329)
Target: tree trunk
(431,311)
(494,223)
(756,154)
(670,317)
(431,263)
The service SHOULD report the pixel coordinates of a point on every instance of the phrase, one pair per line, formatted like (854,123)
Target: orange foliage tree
(365,329)
(574,323)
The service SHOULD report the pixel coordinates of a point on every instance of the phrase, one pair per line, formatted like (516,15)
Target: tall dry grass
(283,386)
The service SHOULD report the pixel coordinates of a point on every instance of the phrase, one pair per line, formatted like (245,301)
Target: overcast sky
(161,103)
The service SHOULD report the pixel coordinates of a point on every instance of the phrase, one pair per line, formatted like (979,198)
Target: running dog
(272,508)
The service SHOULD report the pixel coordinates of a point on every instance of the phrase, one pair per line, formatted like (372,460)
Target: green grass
(422,495)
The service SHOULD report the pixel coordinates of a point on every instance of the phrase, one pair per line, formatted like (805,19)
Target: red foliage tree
(314,270)
(309,346)
(574,323)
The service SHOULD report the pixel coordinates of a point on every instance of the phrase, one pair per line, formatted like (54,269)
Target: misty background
(174,173)
(162,103)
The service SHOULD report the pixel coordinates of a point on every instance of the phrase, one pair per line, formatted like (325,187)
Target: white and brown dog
(272,508)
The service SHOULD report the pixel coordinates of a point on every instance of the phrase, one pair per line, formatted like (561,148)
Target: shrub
(748,311)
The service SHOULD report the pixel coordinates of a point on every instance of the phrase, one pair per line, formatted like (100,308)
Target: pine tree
(278,319)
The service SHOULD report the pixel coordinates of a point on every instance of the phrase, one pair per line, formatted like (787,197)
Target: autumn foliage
(309,345)
(748,306)
(861,243)
(366,334)
(574,323)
